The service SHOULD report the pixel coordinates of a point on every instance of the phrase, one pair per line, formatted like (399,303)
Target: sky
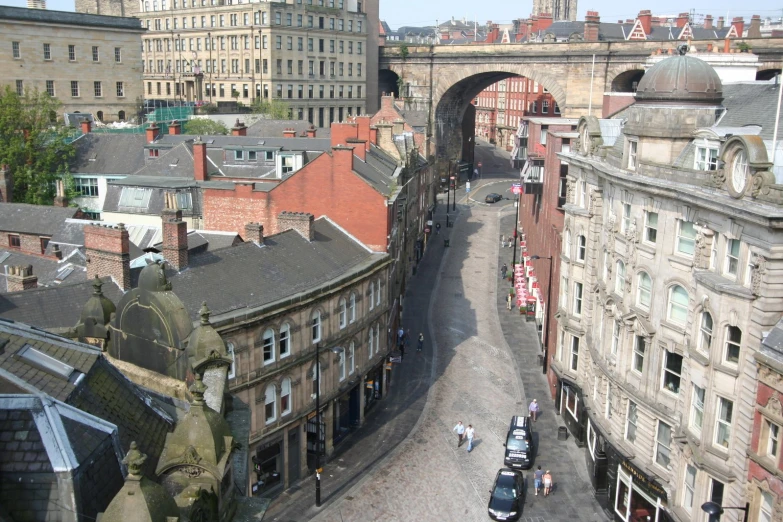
(418,13)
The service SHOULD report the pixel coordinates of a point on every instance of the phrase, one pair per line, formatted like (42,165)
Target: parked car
(507,495)
(519,443)
(493,198)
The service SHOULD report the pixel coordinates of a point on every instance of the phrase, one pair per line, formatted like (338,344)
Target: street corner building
(665,360)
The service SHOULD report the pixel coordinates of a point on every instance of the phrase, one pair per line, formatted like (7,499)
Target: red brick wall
(325,186)
(612,104)
(175,239)
(107,249)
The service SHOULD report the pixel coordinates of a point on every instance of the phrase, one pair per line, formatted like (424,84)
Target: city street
(480,365)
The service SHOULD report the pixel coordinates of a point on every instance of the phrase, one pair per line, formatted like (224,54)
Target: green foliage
(275,108)
(205,127)
(36,149)
(404,52)
(744,47)
(208,108)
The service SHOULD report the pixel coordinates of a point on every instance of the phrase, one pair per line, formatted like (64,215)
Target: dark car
(519,443)
(493,198)
(507,495)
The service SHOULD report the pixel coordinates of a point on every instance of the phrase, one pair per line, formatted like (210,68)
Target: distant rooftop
(69,18)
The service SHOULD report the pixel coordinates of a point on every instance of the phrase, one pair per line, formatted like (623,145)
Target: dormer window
(154,153)
(706,159)
(633,147)
(239,155)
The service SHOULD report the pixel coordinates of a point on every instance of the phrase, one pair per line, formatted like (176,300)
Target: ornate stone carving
(759,184)
(757,275)
(770,378)
(190,456)
(594,204)
(774,406)
(610,231)
(718,178)
(570,190)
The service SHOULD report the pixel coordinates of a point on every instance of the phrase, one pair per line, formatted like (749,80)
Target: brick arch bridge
(443,79)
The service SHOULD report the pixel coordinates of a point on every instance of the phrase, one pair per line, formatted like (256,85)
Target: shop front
(597,463)
(572,408)
(638,497)
(347,414)
(373,387)
(268,469)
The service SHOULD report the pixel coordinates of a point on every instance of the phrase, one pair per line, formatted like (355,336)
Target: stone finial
(134,460)
(97,285)
(197,389)
(204,313)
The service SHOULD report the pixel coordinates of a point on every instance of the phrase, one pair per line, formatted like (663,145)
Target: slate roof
(275,128)
(378,170)
(158,187)
(320,144)
(608,31)
(45,268)
(39,220)
(108,154)
(751,103)
(249,275)
(70,18)
(49,308)
(174,163)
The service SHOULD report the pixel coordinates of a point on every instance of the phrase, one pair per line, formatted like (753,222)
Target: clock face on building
(739,172)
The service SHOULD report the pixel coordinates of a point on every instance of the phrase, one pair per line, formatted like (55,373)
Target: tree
(36,148)
(206,127)
(274,108)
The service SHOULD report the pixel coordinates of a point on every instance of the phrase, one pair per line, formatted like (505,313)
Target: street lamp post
(318,469)
(715,510)
(548,315)
(456,175)
(211,65)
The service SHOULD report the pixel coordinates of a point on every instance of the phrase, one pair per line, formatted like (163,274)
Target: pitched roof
(155,189)
(378,169)
(119,154)
(320,143)
(50,271)
(39,220)
(275,128)
(249,275)
(751,103)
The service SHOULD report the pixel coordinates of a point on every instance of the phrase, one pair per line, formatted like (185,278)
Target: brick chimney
(289,133)
(387,101)
(152,132)
(342,132)
(108,252)
(682,19)
(59,199)
(708,22)
(6,185)
(254,232)
(374,135)
(175,128)
(754,31)
(739,25)
(592,22)
(385,140)
(359,148)
(544,21)
(363,124)
(19,278)
(310,132)
(239,129)
(721,22)
(302,222)
(175,234)
(86,125)
(645,18)
(199,160)
(398,126)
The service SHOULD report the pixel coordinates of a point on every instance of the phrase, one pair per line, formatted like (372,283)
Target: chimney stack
(59,199)
(310,131)
(708,22)
(199,160)
(152,132)
(645,18)
(385,140)
(398,126)
(302,222)
(19,278)
(592,22)
(175,128)
(6,185)
(108,252)
(682,19)
(739,25)
(86,125)
(721,22)
(254,232)
(289,133)
(175,234)
(754,31)
(239,129)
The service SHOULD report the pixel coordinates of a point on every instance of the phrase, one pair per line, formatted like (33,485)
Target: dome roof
(680,78)
(98,306)
(205,345)
(153,279)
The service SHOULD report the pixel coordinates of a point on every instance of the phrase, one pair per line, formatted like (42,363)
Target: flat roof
(45,16)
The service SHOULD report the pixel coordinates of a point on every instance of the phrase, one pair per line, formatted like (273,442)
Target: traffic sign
(516,189)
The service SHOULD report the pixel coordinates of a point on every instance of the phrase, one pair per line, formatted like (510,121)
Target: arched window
(270,403)
(285,397)
(315,327)
(121,115)
(678,305)
(341,365)
(372,295)
(644,294)
(343,313)
(619,280)
(268,344)
(351,358)
(705,332)
(232,370)
(733,342)
(352,308)
(99,114)
(581,247)
(285,340)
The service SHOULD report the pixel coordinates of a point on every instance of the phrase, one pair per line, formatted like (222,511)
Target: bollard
(562,433)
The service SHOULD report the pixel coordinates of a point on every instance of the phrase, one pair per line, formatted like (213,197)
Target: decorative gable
(637,32)
(732,32)
(686,33)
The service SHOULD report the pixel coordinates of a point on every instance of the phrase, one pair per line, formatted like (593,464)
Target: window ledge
(767,463)
(680,262)
(721,284)
(648,248)
(728,370)
(575,209)
(699,357)
(721,453)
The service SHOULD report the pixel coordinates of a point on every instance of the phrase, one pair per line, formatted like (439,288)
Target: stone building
(319,57)
(669,284)
(558,9)
(90,63)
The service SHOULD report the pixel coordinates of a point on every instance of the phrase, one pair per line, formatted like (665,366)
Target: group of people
(403,341)
(465,433)
(542,479)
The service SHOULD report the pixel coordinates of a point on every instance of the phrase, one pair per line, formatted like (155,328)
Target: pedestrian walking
(547,483)
(470,433)
(503,240)
(421,342)
(460,429)
(437,228)
(509,299)
(534,410)
(400,336)
(538,479)
(503,271)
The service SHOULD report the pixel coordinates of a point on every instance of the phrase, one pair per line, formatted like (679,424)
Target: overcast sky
(417,12)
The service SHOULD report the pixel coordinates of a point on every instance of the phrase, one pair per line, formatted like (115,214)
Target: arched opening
(99,114)
(627,81)
(766,74)
(388,82)
(121,115)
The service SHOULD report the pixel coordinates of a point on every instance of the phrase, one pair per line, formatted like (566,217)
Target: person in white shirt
(470,433)
(460,429)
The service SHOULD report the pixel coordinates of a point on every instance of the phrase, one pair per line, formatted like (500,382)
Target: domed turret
(680,78)
(93,325)
(153,279)
(205,346)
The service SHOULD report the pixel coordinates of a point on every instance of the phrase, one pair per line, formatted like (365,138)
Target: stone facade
(90,63)
(560,10)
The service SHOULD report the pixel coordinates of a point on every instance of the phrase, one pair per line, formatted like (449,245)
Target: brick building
(90,63)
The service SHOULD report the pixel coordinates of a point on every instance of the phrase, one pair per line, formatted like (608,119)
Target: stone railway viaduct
(442,80)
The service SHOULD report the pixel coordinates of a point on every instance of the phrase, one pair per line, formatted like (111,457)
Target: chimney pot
(86,125)
(108,252)
(302,222)
(152,132)
(175,234)
(199,160)
(254,232)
